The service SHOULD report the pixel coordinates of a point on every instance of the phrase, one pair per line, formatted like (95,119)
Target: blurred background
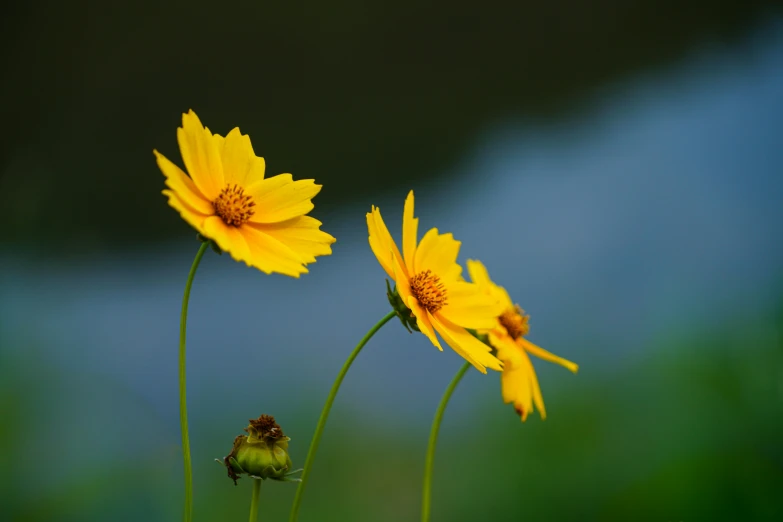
(617,166)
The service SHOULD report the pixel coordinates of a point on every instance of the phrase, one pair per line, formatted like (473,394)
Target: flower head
(429,283)
(518,382)
(258,220)
(263,453)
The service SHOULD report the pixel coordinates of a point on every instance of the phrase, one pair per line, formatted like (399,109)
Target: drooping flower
(518,381)
(261,221)
(429,283)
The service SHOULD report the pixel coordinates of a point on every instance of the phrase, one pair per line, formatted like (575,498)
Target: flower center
(428,291)
(233,206)
(514,321)
(265,427)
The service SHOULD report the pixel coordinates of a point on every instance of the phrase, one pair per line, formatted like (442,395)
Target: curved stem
(429,461)
(325,414)
(183,407)
(254,500)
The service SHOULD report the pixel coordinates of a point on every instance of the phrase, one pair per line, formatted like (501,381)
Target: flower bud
(262,453)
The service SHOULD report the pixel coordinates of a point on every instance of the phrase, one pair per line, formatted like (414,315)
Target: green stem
(325,414)
(183,406)
(254,500)
(429,461)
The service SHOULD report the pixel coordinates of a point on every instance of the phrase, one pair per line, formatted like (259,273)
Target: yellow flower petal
(381,242)
(438,252)
(478,272)
(547,356)
(302,235)
(423,321)
(259,221)
(188,213)
(279,198)
(471,349)
(421,315)
(241,166)
(516,380)
(468,307)
(535,389)
(183,186)
(400,276)
(523,404)
(515,386)
(201,156)
(480,276)
(410,226)
(229,239)
(508,351)
(519,381)
(268,254)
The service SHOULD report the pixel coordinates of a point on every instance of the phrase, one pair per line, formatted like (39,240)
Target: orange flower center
(428,291)
(514,321)
(233,206)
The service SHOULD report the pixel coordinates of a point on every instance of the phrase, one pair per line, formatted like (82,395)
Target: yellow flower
(518,382)
(258,220)
(429,282)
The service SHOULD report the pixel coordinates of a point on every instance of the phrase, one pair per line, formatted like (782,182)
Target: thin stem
(429,461)
(325,414)
(183,406)
(254,500)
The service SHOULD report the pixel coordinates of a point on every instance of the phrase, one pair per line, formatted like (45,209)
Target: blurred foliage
(693,433)
(357,95)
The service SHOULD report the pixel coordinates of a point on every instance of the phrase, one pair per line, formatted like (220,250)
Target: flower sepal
(404,313)
(268,472)
(215,248)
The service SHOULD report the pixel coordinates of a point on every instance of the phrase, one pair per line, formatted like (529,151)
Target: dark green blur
(357,95)
(676,437)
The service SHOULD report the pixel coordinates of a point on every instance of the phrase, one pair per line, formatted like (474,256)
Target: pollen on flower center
(515,322)
(428,291)
(234,206)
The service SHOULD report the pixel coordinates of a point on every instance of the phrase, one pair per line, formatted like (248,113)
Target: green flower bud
(262,453)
